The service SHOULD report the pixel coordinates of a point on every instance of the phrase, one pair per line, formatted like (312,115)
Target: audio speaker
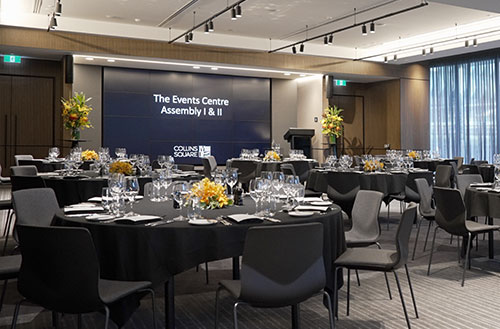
(68,68)
(330,82)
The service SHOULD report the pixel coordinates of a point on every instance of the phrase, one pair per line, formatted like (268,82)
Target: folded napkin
(99,199)
(136,219)
(244,217)
(82,208)
(311,208)
(481,184)
(310,199)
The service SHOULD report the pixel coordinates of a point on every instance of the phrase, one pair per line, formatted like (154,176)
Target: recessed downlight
(196,67)
(110,60)
(287,73)
(214,68)
(89,58)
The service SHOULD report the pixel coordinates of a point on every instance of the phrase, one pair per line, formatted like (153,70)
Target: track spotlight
(294,50)
(431,51)
(330,39)
(207,30)
(474,43)
(186,38)
(372,27)
(190,36)
(53,22)
(385,59)
(210,26)
(325,40)
(301,48)
(238,11)
(58,10)
(395,57)
(233,14)
(363,29)
(423,52)
(466,43)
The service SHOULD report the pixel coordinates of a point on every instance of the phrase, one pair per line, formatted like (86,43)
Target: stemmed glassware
(278,181)
(231,178)
(121,152)
(53,153)
(162,161)
(131,191)
(255,187)
(116,183)
(179,191)
(170,163)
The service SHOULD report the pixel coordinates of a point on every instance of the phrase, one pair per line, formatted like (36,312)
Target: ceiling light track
(355,25)
(232,7)
(177,13)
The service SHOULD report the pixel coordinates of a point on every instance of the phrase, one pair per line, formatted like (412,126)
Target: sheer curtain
(464,118)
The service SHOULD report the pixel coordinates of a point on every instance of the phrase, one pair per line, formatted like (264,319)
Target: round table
(156,254)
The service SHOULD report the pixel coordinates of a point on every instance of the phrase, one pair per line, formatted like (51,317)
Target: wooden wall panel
(415,114)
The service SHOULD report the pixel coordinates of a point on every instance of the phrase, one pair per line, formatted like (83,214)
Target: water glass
(106,199)
(180,190)
(194,208)
(131,191)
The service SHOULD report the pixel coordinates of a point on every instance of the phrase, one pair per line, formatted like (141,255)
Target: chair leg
(467,255)
(348,290)
(206,273)
(385,275)
(295,316)
(335,293)
(79,321)
(411,291)
(459,249)
(55,319)
(16,314)
(152,292)
(9,221)
(427,235)
(5,231)
(217,293)
(4,290)
(330,312)
(106,321)
(388,212)
(451,239)
(416,237)
(357,278)
(235,314)
(432,251)
(402,300)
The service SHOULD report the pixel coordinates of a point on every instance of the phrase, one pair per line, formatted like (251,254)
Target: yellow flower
(121,167)
(211,195)
(413,155)
(331,123)
(88,155)
(272,155)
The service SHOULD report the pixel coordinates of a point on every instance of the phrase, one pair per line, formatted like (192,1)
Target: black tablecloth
(432,164)
(137,252)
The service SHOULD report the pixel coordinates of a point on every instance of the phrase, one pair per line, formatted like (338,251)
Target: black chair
(451,217)
(288,169)
(3,180)
(9,269)
(247,170)
(185,167)
(23,171)
(282,266)
(425,208)
(381,260)
(18,157)
(343,188)
(463,181)
(39,164)
(209,165)
(443,176)
(60,272)
(301,167)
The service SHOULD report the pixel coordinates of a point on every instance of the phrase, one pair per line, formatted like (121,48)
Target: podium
(300,139)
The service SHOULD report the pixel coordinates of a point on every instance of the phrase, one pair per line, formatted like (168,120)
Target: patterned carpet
(441,302)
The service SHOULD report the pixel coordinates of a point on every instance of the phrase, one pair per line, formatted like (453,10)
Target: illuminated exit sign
(340,83)
(12,59)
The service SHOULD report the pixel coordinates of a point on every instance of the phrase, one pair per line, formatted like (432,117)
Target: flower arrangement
(121,167)
(413,155)
(272,156)
(89,155)
(332,122)
(211,195)
(373,165)
(76,114)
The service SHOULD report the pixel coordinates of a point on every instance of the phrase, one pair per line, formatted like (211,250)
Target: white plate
(321,203)
(300,213)
(202,221)
(99,217)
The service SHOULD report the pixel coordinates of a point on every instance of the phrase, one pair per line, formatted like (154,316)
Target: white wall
(88,79)
(284,110)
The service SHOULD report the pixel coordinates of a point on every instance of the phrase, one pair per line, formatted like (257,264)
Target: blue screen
(185,115)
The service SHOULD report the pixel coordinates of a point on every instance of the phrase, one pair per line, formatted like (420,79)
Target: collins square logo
(192,151)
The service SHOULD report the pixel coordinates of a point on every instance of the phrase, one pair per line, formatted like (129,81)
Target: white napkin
(311,208)
(242,217)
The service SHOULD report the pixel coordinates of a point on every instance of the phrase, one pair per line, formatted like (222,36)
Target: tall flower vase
(75,137)
(333,145)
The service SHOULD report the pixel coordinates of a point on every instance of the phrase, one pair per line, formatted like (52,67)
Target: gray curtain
(464,109)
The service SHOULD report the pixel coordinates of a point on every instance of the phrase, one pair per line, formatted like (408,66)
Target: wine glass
(255,189)
(231,178)
(288,187)
(179,191)
(116,184)
(278,181)
(120,152)
(131,191)
(106,199)
(162,160)
(170,162)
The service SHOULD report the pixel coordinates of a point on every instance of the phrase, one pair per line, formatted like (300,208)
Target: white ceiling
(266,25)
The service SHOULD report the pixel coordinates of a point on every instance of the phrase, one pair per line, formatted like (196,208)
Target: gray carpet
(441,302)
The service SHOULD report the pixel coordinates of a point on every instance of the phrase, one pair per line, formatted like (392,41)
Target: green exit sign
(340,83)
(12,59)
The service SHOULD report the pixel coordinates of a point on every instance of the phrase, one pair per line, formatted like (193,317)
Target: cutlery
(160,222)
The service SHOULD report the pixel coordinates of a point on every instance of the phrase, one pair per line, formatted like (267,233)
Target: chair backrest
(411,192)
(26,182)
(460,162)
(443,176)
(209,165)
(36,206)
(365,214)
(247,170)
(40,166)
(282,265)
(59,269)
(185,167)
(450,210)
(18,157)
(479,162)
(288,169)
(425,193)
(463,181)
(24,170)
(403,234)
(302,168)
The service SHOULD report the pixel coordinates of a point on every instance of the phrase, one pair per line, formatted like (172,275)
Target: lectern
(300,139)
